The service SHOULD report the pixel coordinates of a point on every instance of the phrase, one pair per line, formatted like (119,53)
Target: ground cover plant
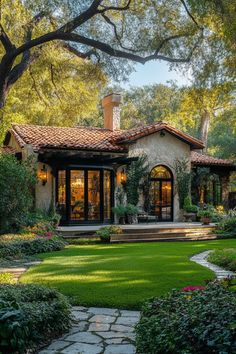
(225,258)
(122,275)
(193,321)
(29,315)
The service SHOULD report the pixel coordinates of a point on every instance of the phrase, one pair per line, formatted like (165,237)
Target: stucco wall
(44,194)
(163,151)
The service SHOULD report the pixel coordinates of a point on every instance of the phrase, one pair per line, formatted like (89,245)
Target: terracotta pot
(206,221)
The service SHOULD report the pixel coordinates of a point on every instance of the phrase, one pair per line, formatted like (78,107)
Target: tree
(130,30)
(17,180)
(203,105)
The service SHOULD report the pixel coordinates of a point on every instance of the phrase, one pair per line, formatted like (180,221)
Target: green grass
(122,275)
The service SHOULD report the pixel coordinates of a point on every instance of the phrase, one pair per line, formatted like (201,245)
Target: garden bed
(225,258)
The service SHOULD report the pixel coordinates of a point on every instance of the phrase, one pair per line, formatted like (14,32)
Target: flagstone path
(201,258)
(98,331)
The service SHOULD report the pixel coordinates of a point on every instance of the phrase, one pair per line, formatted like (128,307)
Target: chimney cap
(112,98)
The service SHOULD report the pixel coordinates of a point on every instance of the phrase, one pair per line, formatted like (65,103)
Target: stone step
(168,230)
(166,239)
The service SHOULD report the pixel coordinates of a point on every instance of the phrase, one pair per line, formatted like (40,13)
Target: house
(80,168)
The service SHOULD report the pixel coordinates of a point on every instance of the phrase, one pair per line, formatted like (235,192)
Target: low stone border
(201,258)
(98,331)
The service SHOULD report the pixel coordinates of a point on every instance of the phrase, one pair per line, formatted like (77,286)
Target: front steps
(165,234)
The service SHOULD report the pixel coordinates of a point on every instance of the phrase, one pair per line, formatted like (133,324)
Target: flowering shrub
(42,229)
(199,322)
(193,288)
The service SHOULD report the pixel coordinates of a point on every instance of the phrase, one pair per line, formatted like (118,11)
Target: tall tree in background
(132,30)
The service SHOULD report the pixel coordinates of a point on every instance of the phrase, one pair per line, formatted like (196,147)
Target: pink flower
(193,288)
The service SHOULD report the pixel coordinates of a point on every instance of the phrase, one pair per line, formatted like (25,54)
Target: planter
(122,220)
(205,220)
(190,217)
(105,239)
(132,219)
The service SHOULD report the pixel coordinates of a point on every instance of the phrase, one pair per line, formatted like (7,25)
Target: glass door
(94,212)
(77,195)
(161,193)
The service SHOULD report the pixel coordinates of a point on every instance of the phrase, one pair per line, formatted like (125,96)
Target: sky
(154,72)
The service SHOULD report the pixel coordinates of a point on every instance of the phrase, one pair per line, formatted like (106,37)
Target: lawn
(122,275)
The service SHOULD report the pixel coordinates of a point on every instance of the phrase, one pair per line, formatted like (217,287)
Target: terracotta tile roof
(200,159)
(81,138)
(8,150)
(136,133)
(88,138)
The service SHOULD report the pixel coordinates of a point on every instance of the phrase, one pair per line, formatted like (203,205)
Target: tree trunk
(204,128)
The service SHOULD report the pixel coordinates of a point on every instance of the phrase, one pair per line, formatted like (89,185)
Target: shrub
(119,210)
(6,278)
(131,209)
(30,314)
(17,180)
(228,224)
(30,247)
(200,321)
(105,232)
(189,207)
(17,237)
(225,258)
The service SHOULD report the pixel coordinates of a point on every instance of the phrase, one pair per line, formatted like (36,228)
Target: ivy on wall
(137,175)
(183,180)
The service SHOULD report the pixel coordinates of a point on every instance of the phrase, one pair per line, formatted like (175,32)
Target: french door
(85,195)
(161,194)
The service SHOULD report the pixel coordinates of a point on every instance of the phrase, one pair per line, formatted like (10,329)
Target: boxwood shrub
(30,247)
(196,322)
(29,315)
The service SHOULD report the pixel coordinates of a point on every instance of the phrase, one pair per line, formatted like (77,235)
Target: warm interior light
(42,175)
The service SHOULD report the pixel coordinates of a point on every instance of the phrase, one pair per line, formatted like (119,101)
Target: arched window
(161,172)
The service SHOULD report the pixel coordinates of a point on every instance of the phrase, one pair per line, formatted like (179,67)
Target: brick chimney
(111,111)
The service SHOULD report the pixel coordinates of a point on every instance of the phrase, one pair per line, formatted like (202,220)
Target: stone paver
(97,331)
(201,258)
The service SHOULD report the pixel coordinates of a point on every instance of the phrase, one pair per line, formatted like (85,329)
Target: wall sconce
(122,177)
(162,133)
(43,175)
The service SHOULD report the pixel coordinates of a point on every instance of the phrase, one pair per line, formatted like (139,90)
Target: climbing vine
(183,180)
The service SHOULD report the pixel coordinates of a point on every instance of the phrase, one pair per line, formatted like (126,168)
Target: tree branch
(115,8)
(86,55)
(190,15)
(6,42)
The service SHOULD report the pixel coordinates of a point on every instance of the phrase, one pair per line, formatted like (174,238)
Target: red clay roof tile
(201,159)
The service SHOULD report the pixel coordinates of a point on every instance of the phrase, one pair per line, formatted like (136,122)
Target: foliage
(183,178)
(131,209)
(119,210)
(30,314)
(228,224)
(225,258)
(201,179)
(17,180)
(83,240)
(105,232)
(17,237)
(199,321)
(206,212)
(188,206)
(43,228)
(14,249)
(137,174)
(42,216)
(6,278)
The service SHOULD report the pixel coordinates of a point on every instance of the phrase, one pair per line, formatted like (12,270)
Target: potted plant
(120,211)
(205,215)
(105,233)
(190,210)
(131,212)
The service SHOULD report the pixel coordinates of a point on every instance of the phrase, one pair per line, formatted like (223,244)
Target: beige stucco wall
(44,194)
(163,151)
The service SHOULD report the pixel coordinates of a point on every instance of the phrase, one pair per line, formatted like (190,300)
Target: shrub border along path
(221,273)
(19,269)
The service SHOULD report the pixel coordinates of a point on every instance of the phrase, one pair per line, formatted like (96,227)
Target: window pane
(107,194)
(77,195)
(160,172)
(93,195)
(62,193)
